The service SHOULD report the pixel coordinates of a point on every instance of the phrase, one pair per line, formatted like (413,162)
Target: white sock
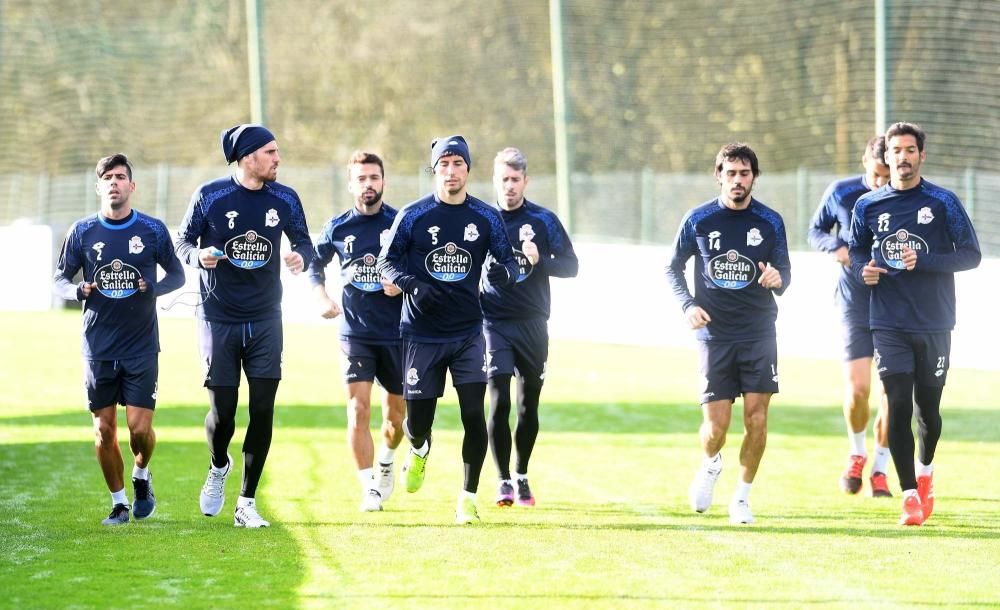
(858,443)
(387,456)
(909,492)
(222,470)
(924,470)
(243,502)
(714,462)
(469,494)
(119,497)
(423,449)
(365,478)
(521,476)
(881,458)
(742,492)
(140,473)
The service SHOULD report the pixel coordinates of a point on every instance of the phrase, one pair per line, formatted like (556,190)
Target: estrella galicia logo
(363,274)
(892,247)
(524,266)
(731,270)
(448,263)
(249,250)
(117,280)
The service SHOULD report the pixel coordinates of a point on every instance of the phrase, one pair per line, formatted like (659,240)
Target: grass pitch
(612,529)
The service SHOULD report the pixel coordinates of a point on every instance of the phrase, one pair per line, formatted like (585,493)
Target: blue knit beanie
(241,140)
(452,145)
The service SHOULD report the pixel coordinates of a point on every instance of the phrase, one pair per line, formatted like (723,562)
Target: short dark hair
(876,149)
(362,157)
(906,129)
(734,151)
(108,163)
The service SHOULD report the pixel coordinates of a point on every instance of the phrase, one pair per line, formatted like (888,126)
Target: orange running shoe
(880,486)
(850,482)
(925,489)
(913,514)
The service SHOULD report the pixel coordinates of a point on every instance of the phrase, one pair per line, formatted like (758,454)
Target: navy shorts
(733,369)
(131,382)
(520,346)
(857,342)
(371,361)
(926,356)
(225,347)
(427,363)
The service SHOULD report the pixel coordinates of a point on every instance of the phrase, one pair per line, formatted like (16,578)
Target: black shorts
(520,346)
(371,361)
(733,369)
(427,363)
(926,356)
(857,341)
(225,347)
(130,382)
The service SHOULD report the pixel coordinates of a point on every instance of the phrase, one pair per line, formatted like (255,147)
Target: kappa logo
(924,216)
(99,248)
(883,221)
(754,237)
(383,238)
(471,232)
(526,233)
(156,388)
(231,215)
(271,218)
(545,369)
(411,377)
(349,244)
(713,240)
(434,234)
(939,372)
(135,245)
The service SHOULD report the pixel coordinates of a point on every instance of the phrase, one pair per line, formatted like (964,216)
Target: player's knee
(359,412)
(756,421)
(141,429)
(105,433)
(714,431)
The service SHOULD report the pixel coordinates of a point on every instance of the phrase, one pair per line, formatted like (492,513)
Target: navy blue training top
(530,297)
(727,246)
(931,221)
(247,226)
(445,245)
(119,321)
(356,239)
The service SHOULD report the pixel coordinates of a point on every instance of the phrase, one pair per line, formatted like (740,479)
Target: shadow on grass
(641,418)
(56,552)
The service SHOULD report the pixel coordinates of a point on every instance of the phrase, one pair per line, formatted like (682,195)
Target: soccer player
(516,326)
(118,250)
(435,254)
(232,233)
(741,261)
(907,241)
(852,297)
(369,332)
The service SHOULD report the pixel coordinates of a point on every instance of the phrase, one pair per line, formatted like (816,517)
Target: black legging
(420,418)
(220,424)
(901,394)
(498,426)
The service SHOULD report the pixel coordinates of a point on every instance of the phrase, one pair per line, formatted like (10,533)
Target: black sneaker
(524,497)
(118,516)
(145,502)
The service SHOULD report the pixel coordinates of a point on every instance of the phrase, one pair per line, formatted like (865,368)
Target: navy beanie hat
(452,145)
(241,140)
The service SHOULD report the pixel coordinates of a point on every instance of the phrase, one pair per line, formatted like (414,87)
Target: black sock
(928,412)
(220,422)
(528,393)
(498,426)
(470,402)
(258,439)
(899,392)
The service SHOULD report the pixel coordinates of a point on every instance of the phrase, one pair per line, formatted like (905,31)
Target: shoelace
(523,490)
(215,482)
(141,489)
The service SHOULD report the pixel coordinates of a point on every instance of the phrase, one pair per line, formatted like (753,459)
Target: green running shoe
(413,470)
(465,511)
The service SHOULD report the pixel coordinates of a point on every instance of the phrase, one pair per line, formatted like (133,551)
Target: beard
(373,201)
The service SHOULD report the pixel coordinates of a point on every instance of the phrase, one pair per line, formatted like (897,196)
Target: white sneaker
(703,485)
(213,494)
(385,481)
(248,517)
(372,501)
(739,513)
